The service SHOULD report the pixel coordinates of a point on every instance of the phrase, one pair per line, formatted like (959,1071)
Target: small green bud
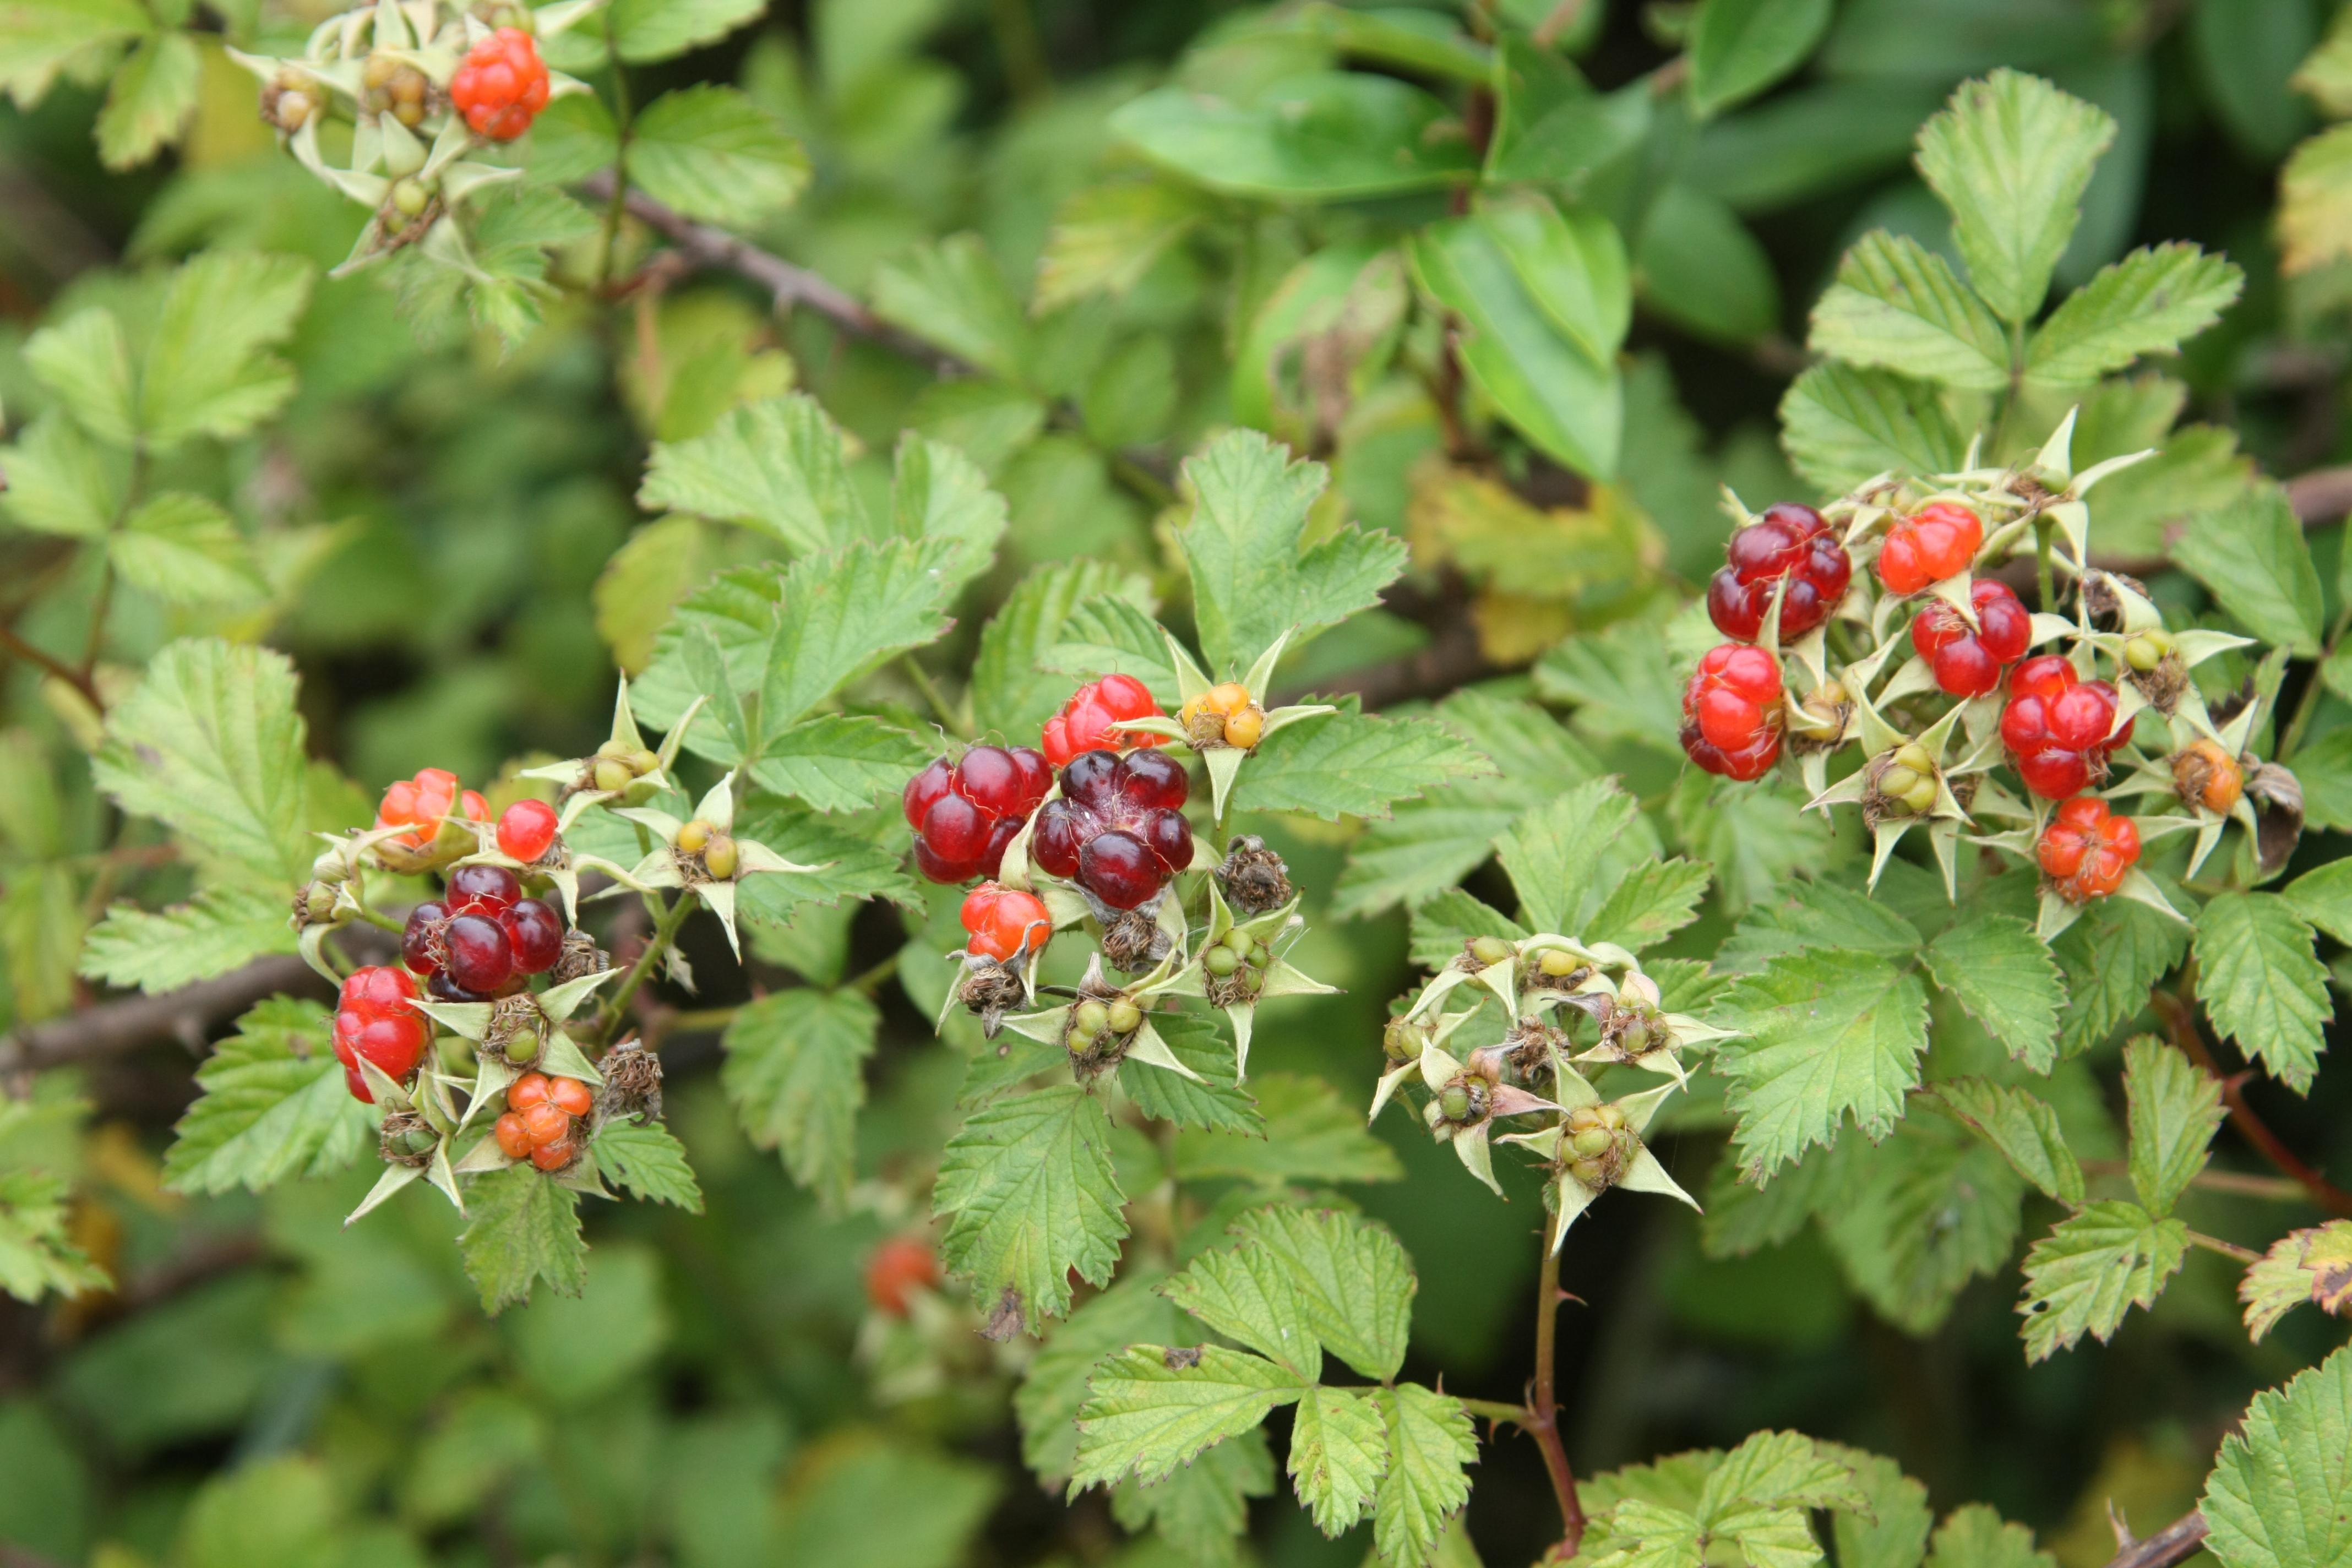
(522,1049)
(1455,1100)
(616,749)
(410,198)
(1592,1172)
(1397,1042)
(1593,1142)
(1090,1019)
(1913,756)
(1896,780)
(718,857)
(1491,950)
(1612,1117)
(1220,961)
(641,762)
(1126,1018)
(1921,796)
(2146,651)
(611,777)
(1241,942)
(1634,1037)
(1558,963)
(417,1140)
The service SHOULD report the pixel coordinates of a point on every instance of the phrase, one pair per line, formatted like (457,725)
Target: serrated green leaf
(1106,237)
(1011,696)
(186,550)
(60,481)
(845,866)
(2313,1266)
(938,494)
(1541,378)
(1201,1511)
(2110,957)
(2275,1497)
(1151,1409)
(1827,1033)
(951,294)
(795,1069)
(1974,1536)
(1311,1136)
(642,31)
(1351,1277)
(86,362)
(1030,1196)
(2322,896)
(645,1158)
(1556,854)
(213,933)
(2261,986)
(1350,763)
(1843,425)
(37,1250)
(523,1228)
(1339,1454)
(1995,966)
(843,613)
(1243,1292)
(2315,212)
(2175,1109)
(1054,1386)
(840,762)
(2023,1127)
(1321,136)
(1817,915)
(777,466)
(1441,924)
(712,153)
(1113,636)
(272,1105)
(1253,578)
(2009,156)
(40,37)
(1700,268)
(1919,1217)
(2253,556)
(1899,306)
(1740,47)
(1891,1531)
(1214,1103)
(208,370)
(1619,681)
(210,745)
(1430,1440)
(2093,1268)
(151,95)
(2149,302)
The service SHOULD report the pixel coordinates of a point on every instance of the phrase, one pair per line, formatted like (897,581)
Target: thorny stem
(664,932)
(1542,1417)
(2176,1542)
(2180,1023)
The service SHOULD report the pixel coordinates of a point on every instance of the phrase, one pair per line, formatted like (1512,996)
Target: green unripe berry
(611,777)
(641,762)
(1491,950)
(1090,1019)
(2146,651)
(616,749)
(1896,780)
(718,857)
(1126,1018)
(522,1049)
(1612,1117)
(1921,796)
(417,1140)
(1455,1100)
(1220,961)
(1240,941)
(1558,963)
(1634,1037)
(410,198)
(1590,1172)
(1914,756)
(1396,1041)
(1593,1142)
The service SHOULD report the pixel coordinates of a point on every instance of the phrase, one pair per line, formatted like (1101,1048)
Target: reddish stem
(78,679)
(1542,1421)
(2180,1024)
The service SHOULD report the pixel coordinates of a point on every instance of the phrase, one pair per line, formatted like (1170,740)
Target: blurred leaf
(952,295)
(2260,984)
(2175,1109)
(186,550)
(276,1513)
(522,1228)
(208,369)
(1975,1537)
(2246,58)
(41,924)
(273,1105)
(1011,696)
(1420,42)
(1897,305)
(864,1501)
(643,583)
(2148,302)
(1350,763)
(1201,1511)
(1311,1136)
(85,362)
(1808,142)
(619,1312)
(2097,1265)
(2023,1128)
(1572,265)
(59,481)
(2010,157)
(937,494)
(712,153)
(40,37)
(1106,237)
(1740,47)
(1923,1214)
(1030,1197)
(36,1251)
(2255,557)
(1697,265)
(1827,1033)
(1326,136)
(1843,425)
(151,95)
(795,1069)
(642,31)
(1550,127)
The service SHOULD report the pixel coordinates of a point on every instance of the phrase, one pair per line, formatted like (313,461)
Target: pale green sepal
(461,180)
(2056,914)
(1282,718)
(1154,724)
(309,943)
(1574,1199)
(563,1058)
(1260,678)
(1283,978)
(1471,1148)
(2054,463)
(720,898)
(492,1075)
(2140,889)
(1884,839)
(470,1020)
(753,857)
(1223,762)
(1243,1016)
(664,825)
(439,1174)
(550,20)
(1643,1173)
(389,1094)
(483,1156)
(2100,470)
(2047,628)
(1147,1047)
(1048,1027)
(1387,1088)
(581,1176)
(1191,680)
(394,1177)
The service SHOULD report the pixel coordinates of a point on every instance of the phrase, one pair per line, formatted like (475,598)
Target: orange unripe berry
(526,1091)
(545,1123)
(513,1140)
(570,1096)
(553,1156)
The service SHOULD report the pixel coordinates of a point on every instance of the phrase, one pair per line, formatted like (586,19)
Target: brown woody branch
(2176,1542)
(113,1029)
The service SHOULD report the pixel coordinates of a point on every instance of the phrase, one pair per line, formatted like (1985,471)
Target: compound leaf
(795,1069)
(1029,1194)
(1828,1033)
(272,1105)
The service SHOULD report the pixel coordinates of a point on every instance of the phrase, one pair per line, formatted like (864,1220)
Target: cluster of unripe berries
(420,805)
(1593,1139)
(710,846)
(1906,782)
(2086,850)
(502,85)
(1238,959)
(1094,1019)
(482,937)
(1224,715)
(1003,921)
(375,1020)
(543,1119)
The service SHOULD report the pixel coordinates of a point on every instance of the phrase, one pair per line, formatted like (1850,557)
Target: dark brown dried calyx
(407,1138)
(1253,877)
(633,1080)
(581,957)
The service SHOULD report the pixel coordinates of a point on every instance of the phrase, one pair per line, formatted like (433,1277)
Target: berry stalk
(665,933)
(1542,1421)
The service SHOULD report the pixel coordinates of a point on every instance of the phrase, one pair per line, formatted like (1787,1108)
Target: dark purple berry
(1092,779)
(1152,780)
(420,941)
(535,934)
(481,956)
(1169,835)
(1061,832)
(483,889)
(1119,868)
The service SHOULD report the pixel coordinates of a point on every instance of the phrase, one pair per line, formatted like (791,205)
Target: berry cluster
(541,1116)
(1936,542)
(1119,827)
(895,1270)
(1004,921)
(1787,541)
(374,1020)
(502,85)
(390,85)
(617,764)
(1731,711)
(420,804)
(709,847)
(2057,727)
(1237,964)
(1595,1140)
(1906,781)
(2086,849)
(965,814)
(1968,662)
(1090,720)
(1224,715)
(482,937)
(526,830)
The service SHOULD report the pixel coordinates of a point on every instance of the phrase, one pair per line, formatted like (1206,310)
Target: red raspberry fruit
(1968,663)
(526,830)
(419,804)
(1090,720)
(1936,542)
(2057,726)
(1005,920)
(1118,827)
(2086,850)
(1791,541)
(895,1270)
(535,934)
(374,1020)
(1731,711)
(502,85)
(963,816)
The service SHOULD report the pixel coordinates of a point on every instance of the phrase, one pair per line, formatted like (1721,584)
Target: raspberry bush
(866,757)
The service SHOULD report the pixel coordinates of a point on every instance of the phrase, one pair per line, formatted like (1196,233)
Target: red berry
(897,1268)
(1745,763)
(570,1096)
(502,85)
(925,790)
(513,1142)
(535,934)
(1170,837)
(483,890)
(2044,675)
(441,988)
(1787,541)
(378,991)
(1036,774)
(964,816)
(1731,711)
(481,959)
(936,868)
(2086,850)
(1061,834)
(420,940)
(1088,721)
(546,1123)
(553,1156)
(526,830)
(1936,542)
(1153,780)
(1005,920)
(1967,663)
(2081,717)
(1091,779)
(393,1043)
(1119,869)
(526,1091)
(2054,773)
(999,838)
(957,831)
(991,780)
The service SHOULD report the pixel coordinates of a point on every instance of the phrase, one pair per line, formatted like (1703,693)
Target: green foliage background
(444,532)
